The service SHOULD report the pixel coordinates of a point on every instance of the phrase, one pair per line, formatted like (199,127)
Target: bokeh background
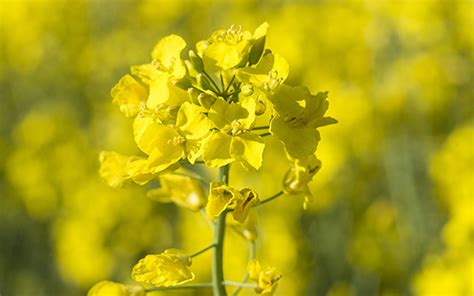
(393,210)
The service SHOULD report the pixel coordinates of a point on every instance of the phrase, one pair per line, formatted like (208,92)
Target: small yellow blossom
(266,278)
(113,167)
(298,114)
(108,288)
(299,175)
(169,268)
(222,197)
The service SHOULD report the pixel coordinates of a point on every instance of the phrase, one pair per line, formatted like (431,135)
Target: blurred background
(393,210)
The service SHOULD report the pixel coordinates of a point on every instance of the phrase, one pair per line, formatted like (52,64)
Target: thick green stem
(217,254)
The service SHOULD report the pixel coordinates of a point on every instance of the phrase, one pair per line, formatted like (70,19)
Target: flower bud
(183,83)
(193,95)
(196,61)
(260,107)
(203,81)
(206,100)
(246,90)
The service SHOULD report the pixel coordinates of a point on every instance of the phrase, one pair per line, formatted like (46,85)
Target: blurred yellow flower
(266,278)
(113,167)
(299,175)
(184,191)
(108,288)
(169,268)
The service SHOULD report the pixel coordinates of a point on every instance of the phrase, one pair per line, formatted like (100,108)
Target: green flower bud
(196,61)
(193,95)
(203,81)
(257,51)
(246,90)
(206,100)
(260,107)
(183,83)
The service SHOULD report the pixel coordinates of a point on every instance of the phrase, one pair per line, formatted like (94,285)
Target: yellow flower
(116,168)
(246,201)
(107,288)
(266,278)
(182,190)
(232,47)
(222,197)
(298,114)
(233,140)
(129,94)
(169,268)
(113,167)
(299,175)
(269,73)
(166,55)
(167,144)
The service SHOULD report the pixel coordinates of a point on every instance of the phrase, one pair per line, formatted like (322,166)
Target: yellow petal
(182,190)
(248,199)
(248,149)
(169,268)
(216,149)
(113,167)
(168,50)
(150,135)
(107,288)
(220,198)
(129,94)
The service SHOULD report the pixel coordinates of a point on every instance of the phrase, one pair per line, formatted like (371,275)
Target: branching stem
(202,251)
(270,198)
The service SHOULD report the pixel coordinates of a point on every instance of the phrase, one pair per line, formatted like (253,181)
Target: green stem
(241,285)
(270,198)
(260,128)
(217,254)
(202,251)
(265,134)
(230,83)
(252,255)
(194,286)
(218,90)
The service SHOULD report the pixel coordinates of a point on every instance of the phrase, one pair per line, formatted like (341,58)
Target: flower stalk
(217,252)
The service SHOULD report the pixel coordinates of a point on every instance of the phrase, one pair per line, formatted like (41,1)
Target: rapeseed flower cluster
(213,106)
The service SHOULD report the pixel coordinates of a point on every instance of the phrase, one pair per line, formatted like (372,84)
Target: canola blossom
(213,105)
